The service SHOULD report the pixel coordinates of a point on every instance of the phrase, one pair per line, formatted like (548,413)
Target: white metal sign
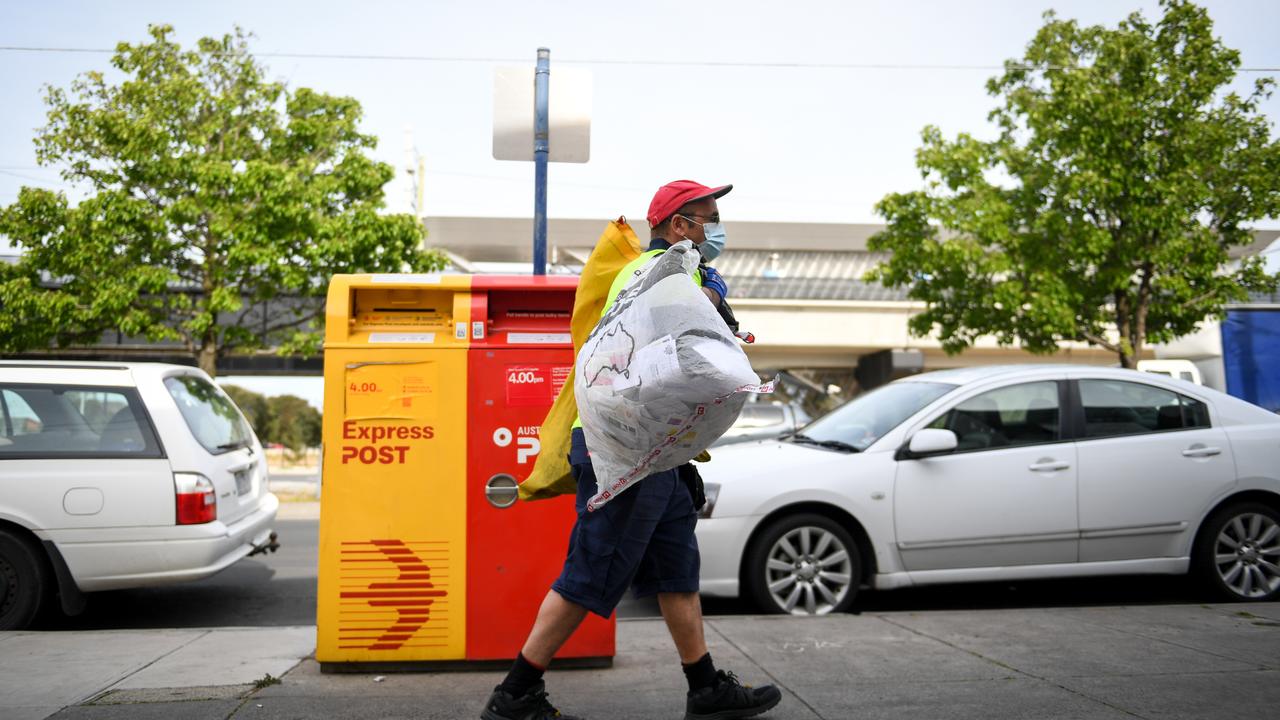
(569,114)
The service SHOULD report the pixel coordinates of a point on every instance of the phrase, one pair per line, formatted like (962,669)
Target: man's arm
(717,290)
(713,284)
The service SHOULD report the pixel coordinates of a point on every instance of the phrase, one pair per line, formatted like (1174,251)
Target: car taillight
(197,502)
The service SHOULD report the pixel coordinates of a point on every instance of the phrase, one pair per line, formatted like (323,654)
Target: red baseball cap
(675,195)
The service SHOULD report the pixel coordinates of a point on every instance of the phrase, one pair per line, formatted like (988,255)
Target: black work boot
(533,705)
(729,698)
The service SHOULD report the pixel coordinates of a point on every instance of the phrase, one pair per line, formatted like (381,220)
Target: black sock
(700,674)
(523,675)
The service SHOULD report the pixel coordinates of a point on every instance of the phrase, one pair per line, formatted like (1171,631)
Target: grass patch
(265,681)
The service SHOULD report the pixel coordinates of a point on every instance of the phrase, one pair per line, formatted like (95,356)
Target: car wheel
(23,582)
(1239,552)
(804,565)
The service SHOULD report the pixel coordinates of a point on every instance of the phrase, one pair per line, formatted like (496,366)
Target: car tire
(24,581)
(803,564)
(1238,553)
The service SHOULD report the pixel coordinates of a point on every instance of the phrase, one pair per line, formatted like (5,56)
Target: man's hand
(713,282)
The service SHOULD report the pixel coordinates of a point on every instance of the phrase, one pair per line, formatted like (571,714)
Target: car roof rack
(76,366)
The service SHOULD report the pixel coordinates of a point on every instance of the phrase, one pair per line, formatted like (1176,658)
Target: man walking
(644,537)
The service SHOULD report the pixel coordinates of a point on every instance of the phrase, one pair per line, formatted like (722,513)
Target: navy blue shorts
(643,537)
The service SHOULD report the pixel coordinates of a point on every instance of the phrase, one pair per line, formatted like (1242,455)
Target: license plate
(244,481)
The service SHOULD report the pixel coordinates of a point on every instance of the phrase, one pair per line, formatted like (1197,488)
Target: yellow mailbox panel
(392,585)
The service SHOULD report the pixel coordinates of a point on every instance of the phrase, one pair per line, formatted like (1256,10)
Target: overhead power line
(25,176)
(657,63)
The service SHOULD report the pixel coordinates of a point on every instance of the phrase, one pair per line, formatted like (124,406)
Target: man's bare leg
(683,614)
(711,693)
(557,619)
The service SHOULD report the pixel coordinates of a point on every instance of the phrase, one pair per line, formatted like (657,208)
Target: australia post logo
(526,440)
(380,444)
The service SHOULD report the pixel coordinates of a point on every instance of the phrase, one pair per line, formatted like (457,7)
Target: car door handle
(1048,466)
(1199,452)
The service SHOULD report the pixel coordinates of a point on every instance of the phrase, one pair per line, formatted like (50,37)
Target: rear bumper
(193,552)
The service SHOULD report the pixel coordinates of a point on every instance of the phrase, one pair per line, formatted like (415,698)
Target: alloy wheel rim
(808,571)
(1247,555)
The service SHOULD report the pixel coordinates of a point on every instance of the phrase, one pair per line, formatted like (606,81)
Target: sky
(805,144)
(701,90)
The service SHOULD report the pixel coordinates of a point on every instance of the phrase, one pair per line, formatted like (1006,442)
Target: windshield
(865,419)
(212,417)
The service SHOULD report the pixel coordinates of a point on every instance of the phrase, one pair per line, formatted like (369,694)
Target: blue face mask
(714,244)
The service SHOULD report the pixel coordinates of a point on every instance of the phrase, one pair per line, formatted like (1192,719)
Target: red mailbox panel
(520,356)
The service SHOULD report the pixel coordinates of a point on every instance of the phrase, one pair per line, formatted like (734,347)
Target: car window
(865,419)
(1116,407)
(97,407)
(19,418)
(1195,414)
(48,421)
(212,417)
(1026,414)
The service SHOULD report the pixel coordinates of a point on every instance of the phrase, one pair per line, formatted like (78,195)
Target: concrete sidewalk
(1167,661)
(43,672)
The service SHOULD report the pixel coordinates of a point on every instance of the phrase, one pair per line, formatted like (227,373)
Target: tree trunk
(1139,340)
(1140,315)
(207,358)
(1124,324)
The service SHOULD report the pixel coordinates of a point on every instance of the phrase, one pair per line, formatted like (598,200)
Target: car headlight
(711,491)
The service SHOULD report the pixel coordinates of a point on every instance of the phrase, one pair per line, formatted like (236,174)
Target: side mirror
(930,442)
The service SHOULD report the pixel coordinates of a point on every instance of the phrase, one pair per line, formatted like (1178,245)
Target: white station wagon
(119,475)
(999,473)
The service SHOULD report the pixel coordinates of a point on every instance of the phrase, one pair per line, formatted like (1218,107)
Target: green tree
(1124,172)
(210,189)
(294,423)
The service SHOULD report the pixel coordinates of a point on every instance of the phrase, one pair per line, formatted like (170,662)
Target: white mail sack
(660,378)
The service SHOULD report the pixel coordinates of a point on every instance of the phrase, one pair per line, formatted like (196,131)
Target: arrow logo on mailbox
(392,580)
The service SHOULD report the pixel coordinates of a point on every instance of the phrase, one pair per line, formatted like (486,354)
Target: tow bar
(271,545)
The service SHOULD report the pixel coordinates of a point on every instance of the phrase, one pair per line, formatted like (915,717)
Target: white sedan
(999,473)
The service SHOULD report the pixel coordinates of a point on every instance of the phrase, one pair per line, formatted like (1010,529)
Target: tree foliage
(210,190)
(1123,174)
(285,419)
(293,422)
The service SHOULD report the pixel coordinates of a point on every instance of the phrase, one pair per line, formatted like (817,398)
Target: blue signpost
(541,147)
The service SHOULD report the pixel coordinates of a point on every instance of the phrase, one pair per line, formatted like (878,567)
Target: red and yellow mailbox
(435,386)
